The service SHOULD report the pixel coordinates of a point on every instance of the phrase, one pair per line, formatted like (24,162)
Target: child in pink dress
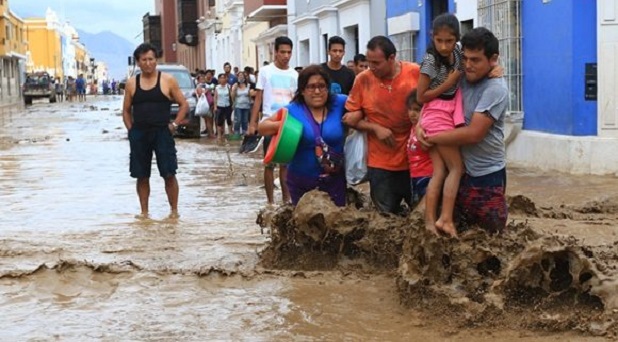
(442,111)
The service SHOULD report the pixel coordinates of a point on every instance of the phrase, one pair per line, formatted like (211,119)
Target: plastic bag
(355,150)
(202,108)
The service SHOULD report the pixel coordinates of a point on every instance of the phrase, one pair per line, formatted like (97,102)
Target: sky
(123,17)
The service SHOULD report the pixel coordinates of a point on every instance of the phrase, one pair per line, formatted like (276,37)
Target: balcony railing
(187,33)
(152,30)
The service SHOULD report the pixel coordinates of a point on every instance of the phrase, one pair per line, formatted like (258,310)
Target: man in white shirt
(275,88)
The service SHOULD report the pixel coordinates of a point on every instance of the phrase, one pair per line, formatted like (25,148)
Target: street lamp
(218,25)
(205,24)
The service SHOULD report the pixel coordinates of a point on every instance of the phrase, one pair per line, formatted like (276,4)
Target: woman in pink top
(442,110)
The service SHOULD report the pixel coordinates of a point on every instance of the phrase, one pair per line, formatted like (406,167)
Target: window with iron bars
(406,44)
(503,18)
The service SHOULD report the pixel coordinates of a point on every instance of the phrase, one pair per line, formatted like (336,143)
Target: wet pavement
(75,263)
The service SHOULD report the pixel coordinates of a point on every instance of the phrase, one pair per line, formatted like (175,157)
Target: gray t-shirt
(489,96)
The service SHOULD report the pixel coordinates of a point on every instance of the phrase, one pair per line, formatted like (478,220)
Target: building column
(3,90)
(607,47)
(240,46)
(295,60)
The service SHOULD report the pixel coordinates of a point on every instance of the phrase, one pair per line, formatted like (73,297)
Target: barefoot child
(438,91)
(421,168)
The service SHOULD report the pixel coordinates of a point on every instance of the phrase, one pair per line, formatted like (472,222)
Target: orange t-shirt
(386,106)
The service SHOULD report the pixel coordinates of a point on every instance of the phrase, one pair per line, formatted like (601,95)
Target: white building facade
(224,35)
(312,23)
(265,44)
(252,31)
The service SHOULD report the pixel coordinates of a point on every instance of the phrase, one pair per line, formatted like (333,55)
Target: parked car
(38,85)
(191,128)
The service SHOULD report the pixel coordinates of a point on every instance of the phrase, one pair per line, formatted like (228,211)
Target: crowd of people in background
(75,89)
(232,93)
(433,130)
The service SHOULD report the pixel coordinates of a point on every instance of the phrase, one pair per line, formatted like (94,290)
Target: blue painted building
(560,39)
(548,49)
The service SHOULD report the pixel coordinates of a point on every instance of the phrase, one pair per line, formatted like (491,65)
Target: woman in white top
(242,104)
(223,106)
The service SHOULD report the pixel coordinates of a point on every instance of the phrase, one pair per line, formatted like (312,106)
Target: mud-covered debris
(519,279)
(604,206)
(519,271)
(522,205)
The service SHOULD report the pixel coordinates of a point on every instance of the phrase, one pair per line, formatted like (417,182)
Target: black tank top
(151,108)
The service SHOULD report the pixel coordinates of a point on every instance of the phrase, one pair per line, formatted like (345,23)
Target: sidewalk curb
(12,105)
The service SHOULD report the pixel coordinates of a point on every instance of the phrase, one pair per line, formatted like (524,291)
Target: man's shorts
(418,186)
(145,141)
(481,202)
(388,188)
(223,115)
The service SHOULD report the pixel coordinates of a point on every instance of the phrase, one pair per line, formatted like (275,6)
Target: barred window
(503,18)
(406,45)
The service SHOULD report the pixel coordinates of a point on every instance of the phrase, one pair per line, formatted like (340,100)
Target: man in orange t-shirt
(377,105)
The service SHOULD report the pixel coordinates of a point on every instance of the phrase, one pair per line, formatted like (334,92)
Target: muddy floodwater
(76,265)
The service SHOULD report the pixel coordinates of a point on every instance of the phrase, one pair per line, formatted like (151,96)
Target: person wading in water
(146,113)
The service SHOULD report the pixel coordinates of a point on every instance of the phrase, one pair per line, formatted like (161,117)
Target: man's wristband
(174,124)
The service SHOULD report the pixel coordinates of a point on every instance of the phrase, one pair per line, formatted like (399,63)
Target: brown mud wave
(524,278)
(127,266)
(522,205)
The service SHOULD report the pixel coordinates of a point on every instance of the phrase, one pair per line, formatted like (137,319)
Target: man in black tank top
(146,114)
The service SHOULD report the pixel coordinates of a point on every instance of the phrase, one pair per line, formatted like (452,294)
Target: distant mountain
(110,48)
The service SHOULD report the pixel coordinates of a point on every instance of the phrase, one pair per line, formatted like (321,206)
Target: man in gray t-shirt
(480,200)
(488,97)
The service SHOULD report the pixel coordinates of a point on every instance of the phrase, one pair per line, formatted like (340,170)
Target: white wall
(327,25)
(607,50)
(466,10)
(576,155)
(355,13)
(378,18)
(291,12)
(304,50)
(307,30)
(228,45)
(251,31)
(332,18)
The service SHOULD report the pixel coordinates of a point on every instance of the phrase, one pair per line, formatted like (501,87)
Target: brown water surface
(75,263)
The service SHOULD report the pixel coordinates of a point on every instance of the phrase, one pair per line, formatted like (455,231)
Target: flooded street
(75,263)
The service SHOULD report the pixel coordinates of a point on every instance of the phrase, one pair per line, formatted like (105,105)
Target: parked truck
(39,85)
